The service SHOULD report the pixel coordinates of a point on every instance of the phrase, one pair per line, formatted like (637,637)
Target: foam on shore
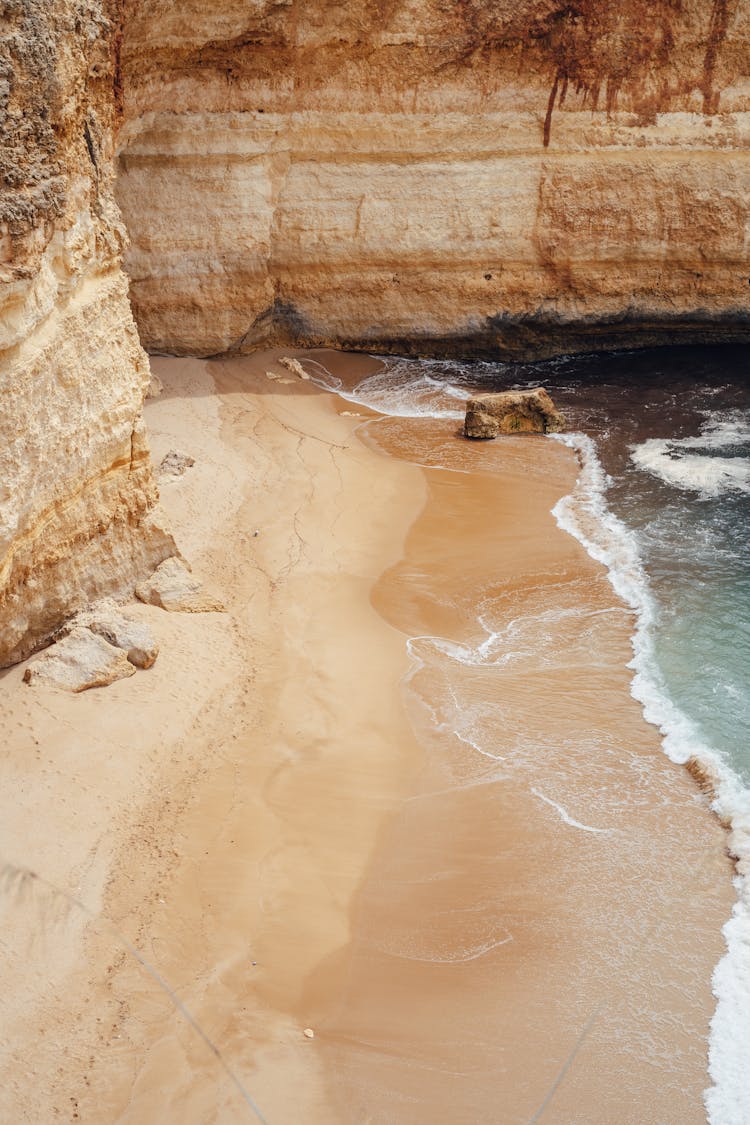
(586,515)
(691,463)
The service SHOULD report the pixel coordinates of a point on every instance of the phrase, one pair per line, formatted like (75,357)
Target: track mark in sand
(566,816)
(460,958)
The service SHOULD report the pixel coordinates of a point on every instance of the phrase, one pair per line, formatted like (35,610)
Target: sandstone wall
(523,175)
(76,492)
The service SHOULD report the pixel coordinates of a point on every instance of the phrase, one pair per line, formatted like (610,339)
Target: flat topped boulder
(512,412)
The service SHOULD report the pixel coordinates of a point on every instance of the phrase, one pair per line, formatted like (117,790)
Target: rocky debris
(278,378)
(124,632)
(309,1033)
(155,386)
(81,660)
(173,587)
(174,463)
(294,365)
(512,412)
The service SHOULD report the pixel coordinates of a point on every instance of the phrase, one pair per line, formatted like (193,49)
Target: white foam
(393,392)
(692,463)
(586,515)
(460,957)
(565,816)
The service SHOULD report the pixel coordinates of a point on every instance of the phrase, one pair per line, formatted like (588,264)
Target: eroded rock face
(521,176)
(77,498)
(512,412)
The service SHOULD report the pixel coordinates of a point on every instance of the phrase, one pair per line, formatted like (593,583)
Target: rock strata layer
(77,497)
(512,412)
(517,177)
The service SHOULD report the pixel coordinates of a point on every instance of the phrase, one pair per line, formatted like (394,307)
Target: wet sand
(291,837)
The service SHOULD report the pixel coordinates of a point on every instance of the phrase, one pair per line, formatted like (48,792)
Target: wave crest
(695,463)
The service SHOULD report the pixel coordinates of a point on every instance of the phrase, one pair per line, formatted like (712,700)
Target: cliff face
(519,176)
(76,492)
(523,175)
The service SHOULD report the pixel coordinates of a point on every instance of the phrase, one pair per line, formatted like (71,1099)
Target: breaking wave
(696,463)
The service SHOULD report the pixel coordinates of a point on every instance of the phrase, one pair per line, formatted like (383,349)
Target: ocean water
(663,501)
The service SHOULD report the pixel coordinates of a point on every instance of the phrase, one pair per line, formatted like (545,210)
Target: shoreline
(664,806)
(268,705)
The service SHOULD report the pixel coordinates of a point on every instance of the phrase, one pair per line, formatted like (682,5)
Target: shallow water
(663,500)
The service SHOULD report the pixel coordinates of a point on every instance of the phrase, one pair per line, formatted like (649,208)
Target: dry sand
(274,826)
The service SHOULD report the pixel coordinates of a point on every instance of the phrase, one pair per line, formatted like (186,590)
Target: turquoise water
(672,430)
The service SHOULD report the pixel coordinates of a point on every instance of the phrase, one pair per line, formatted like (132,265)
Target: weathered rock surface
(522,177)
(81,660)
(77,497)
(120,629)
(173,587)
(512,412)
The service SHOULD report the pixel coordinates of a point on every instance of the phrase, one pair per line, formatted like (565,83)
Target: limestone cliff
(524,175)
(76,492)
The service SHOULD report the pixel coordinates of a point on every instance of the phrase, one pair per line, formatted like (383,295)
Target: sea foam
(692,464)
(586,515)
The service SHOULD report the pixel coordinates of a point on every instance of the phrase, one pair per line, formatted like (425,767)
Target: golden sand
(285,831)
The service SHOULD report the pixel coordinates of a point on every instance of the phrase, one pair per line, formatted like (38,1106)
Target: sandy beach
(280,820)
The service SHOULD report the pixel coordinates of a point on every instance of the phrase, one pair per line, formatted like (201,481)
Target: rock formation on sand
(175,464)
(80,661)
(120,629)
(173,587)
(96,647)
(522,177)
(77,498)
(512,412)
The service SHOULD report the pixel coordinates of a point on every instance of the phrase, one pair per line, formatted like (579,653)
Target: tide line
(566,816)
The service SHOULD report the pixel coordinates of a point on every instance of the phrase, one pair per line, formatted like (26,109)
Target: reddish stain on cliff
(601,49)
(647,53)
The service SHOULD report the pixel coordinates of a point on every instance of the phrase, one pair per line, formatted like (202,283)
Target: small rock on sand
(155,386)
(309,1033)
(293,365)
(174,463)
(79,661)
(173,587)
